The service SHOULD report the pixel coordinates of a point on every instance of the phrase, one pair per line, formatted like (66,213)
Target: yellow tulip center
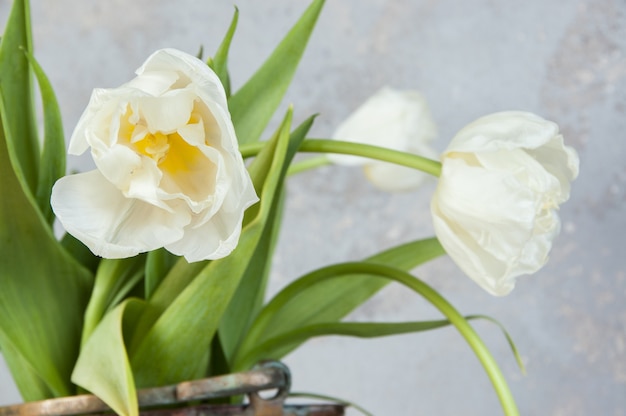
(170,151)
(155,146)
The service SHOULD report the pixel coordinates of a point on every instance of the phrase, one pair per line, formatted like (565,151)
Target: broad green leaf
(349,271)
(115,278)
(175,282)
(158,265)
(43,290)
(170,352)
(249,297)
(273,348)
(218,363)
(219,63)
(103,368)
(80,252)
(333,299)
(52,165)
(16,92)
(253,105)
(25,378)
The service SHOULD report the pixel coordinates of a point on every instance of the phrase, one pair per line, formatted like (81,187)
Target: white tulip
(398,120)
(495,208)
(169,172)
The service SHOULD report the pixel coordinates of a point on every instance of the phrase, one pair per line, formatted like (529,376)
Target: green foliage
(178,350)
(248,298)
(16,92)
(103,366)
(253,105)
(331,300)
(28,381)
(158,264)
(43,290)
(52,162)
(349,270)
(80,252)
(114,280)
(155,319)
(162,351)
(219,63)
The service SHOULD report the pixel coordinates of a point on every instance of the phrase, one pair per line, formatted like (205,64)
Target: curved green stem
(421,163)
(306,164)
(346,269)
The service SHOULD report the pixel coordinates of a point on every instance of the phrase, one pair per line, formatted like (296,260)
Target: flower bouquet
(160,275)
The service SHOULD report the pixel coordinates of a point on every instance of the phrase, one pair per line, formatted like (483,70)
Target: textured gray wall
(563,59)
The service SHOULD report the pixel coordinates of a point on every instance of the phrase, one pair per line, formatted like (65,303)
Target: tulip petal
(506,130)
(191,71)
(471,258)
(217,237)
(398,120)
(201,183)
(494,210)
(560,161)
(501,223)
(111,225)
(168,161)
(99,106)
(154,83)
(166,113)
(394,178)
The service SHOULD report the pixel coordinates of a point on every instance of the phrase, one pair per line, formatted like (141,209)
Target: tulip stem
(421,163)
(307,164)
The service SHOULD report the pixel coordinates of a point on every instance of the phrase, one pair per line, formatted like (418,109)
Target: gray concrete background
(563,59)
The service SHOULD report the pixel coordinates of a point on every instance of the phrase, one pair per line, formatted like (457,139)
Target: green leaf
(103,367)
(349,271)
(169,353)
(39,345)
(219,63)
(331,300)
(158,265)
(509,339)
(218,363)
(25,377)
(273,348)
(253,105)
(175,281)
(249,297)
(80,252)
(16,92)
(43,290)
(115,278)
(200,52)
(52,165)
